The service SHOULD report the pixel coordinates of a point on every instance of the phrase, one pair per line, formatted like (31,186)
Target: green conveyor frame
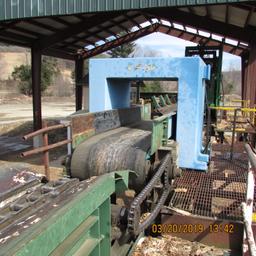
(81,227)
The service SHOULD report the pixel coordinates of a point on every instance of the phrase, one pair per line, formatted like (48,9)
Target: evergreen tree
(23,74)
(123,51)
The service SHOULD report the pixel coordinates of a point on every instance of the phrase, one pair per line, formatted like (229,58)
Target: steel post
(79,77)
(46,153)
(233,134)
(36,58)
(69,137)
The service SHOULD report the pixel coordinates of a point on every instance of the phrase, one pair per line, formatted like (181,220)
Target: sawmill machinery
(115,147)
(211,55)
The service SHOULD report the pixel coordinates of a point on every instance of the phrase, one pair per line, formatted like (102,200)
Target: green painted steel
(81,227)
(167,99)
(79,138)
(162,101)
(159,133)
(146,111)
(155,103)
(14,9)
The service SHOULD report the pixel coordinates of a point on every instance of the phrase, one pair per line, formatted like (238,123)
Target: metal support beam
(244,61)
(36,57)
(57,53)
(72,30)
(205,23)
(79,88)
(249,76)
(157,27)
(121,40)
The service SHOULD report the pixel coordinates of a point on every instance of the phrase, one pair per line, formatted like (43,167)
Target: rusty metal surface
(85,125)
(13,175)
(45,148)
(44,130)
(105,120)
(218,193)
(166,109)
(248,75)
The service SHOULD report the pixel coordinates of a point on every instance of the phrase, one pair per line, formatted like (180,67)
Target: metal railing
(233,123)
(46,147)
(247,207)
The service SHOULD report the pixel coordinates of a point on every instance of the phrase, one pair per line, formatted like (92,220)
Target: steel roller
(124,148)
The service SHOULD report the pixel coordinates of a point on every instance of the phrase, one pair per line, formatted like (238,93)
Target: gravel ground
(10,113)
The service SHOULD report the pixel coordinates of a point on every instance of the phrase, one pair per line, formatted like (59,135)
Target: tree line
(50,69)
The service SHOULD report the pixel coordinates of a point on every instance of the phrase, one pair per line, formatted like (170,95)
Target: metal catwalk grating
(217,193)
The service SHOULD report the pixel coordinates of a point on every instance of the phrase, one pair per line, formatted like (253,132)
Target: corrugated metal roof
(14,9)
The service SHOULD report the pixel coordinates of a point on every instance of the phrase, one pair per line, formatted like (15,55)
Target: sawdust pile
(174,246)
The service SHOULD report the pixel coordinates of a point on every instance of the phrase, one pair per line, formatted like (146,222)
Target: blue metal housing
(110,89)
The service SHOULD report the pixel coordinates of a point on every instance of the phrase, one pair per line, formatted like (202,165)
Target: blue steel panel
(190,72)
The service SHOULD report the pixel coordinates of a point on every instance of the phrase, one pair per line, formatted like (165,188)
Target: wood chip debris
(180,190)
(167,245)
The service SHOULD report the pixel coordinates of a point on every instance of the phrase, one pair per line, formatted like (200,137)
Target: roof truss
(90,34)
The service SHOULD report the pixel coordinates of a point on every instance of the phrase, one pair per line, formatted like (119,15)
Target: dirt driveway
(16,112)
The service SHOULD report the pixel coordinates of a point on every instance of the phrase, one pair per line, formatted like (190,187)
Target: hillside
(232,82)
(63,84)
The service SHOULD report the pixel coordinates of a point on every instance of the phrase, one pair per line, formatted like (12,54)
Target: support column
(138,93)
(36,57)
(244,62)
(249,76)
(79,87)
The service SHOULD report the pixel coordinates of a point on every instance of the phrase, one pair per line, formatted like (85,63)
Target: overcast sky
(169,46)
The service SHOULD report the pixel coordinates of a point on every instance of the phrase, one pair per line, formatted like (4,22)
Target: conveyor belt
(124,148)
